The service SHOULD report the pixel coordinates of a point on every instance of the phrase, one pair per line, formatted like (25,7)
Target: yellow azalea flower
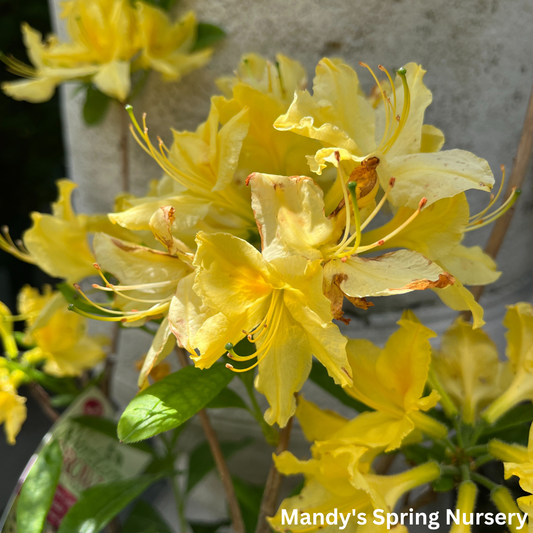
(166,46)
(343,120)
(6,331)
(391,381)
(201,185)
(59,335)
(339,479)
(291,220)
(12,406)
(466,500)
(278,80)
(519,462)
(105,37)
(266,90)
(278,304)
(519,324)
(468,368)
(57,243)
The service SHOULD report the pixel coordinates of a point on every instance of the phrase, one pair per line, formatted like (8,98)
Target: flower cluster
(109,41)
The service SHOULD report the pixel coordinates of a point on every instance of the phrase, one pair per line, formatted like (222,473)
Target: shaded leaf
(227,398)
(39,488)
(207,35)
(249,497)
(521,414)
(95,106)
(98,505)
(172,401)
(201,461)
(320,376)
(145,519)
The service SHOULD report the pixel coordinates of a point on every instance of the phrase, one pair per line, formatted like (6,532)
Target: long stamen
(357,218)
(384,98)
(421,205)
(133,299)
(263,350)
(405,110)
(493,198)
(7,244)
(378,207)
(496,214)
(383,69)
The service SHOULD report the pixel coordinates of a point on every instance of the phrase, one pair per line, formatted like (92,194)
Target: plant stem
(105,383)
(43,399)
(178,497)
(485,481)
(465,472)
(270,496)
(518,174)
(481,449)
(447,405)
(480,461)
(220,462)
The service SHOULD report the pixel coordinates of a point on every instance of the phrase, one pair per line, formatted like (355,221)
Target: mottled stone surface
(478,57)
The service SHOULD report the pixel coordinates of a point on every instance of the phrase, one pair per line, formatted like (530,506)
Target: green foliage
(98,505)
(320,376)
(201,461)
(145,519)
(513,426)
(166,5)
(208,35)
(200,527)
(249,497)
(225,399)
(95,106)
(172,401)
(39,488)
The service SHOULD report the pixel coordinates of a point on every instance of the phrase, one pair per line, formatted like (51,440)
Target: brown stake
(273,484)
(222,467)
(43,399)
(518,174)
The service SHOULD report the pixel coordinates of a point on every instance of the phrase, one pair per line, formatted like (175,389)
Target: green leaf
(320,376)
(207,35)
(39,488)
(95,106)
(201,461)
(172,401)
(203,527)
(98,505)
(62,400)
(249,497)
(521,414)
(145,519)
(109,428)
(166,5)
(443,484)
(227,398)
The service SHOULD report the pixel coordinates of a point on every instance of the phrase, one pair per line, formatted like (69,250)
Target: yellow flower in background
(266,89)
(466,501)
(519,324)
(278,305)
(59,335)
(12,406)
(57,243)
(391,381)
(344,121)
(340,479)
(201,184)
(291,220)
(6,331)
(105,36)
(166,46)
(468,368)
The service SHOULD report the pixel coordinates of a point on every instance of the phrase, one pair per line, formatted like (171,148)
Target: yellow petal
(519,323)
(161,347)
(470,265)
(113,79)
(284,370)
(317,423)
(6,331)
(435,232)
(12,413)
(34,90)
(432,139)
(459,298)
(232,276)
(434,176)
(290,216)
(393,273)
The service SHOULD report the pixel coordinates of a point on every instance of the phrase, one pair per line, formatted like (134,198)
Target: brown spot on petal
(445,280)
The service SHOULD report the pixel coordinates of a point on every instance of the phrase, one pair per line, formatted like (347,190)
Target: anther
(392,181)
(229,366)
(422,203)
(97,266)
(337,156)
(381,242)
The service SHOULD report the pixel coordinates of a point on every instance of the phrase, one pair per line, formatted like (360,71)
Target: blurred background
(32,159)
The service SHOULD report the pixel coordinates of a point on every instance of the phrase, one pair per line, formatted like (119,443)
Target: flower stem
(220,462)
(447,405)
